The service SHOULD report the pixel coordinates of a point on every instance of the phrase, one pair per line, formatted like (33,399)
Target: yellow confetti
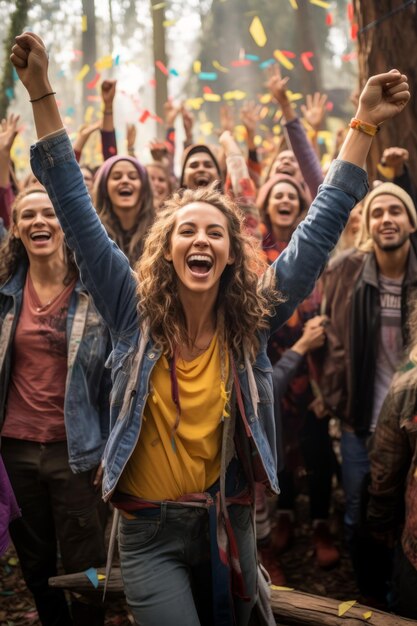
(168,23)
(276,129)
(320,3)
(206,128)
(257,31)
(101,577)
(264,127)
(258,140)
(293,96)
(83,72)
(389,173)
(13,561)
(197,67)
(194,103)
(84,24)
(104,63)
(88,114)
(344,607)
(281,58)
(367,615)
(265,99)
(219,67)
(212,97)
(234,95)
(294,4)
(279,588)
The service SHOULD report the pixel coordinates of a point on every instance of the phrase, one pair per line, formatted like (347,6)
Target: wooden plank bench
(290,608)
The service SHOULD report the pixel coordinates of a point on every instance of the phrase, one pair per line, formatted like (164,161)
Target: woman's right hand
(30,59)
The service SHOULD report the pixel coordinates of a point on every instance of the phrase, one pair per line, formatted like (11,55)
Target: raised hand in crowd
(170,113)
(249,116)
(188,123)
(227,119)
(108,92)
(314,110)
(83,134)
(277,86)
(130,138)
(159,151)
(313,337)
(8,132)
(395,158)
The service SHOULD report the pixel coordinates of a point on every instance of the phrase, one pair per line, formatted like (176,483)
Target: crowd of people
(172,350)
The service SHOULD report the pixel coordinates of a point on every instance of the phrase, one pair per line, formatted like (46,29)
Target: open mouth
(284,211)
(40,236)
(125,193)
(199,264)
(202,180)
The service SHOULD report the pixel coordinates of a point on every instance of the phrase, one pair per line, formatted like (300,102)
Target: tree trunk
(17,24)
(88,44)
(387,39)
(159,54)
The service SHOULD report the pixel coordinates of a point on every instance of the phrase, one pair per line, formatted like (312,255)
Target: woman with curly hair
(54,410)
(191,405)
(123,199)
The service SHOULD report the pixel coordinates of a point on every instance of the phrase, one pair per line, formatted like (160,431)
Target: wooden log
(294,608)
(80,583)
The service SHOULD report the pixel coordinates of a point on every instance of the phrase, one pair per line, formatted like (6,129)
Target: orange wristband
(364,127)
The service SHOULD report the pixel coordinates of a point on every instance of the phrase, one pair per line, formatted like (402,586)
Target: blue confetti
(91,574)
(207,76)
(267,63)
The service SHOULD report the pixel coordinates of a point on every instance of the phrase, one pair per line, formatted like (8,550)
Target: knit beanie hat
(103,172)
(366,243)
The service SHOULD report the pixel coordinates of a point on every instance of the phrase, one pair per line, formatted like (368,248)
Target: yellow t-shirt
(155,471)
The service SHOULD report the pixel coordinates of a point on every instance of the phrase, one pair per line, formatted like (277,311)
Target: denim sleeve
(301,263)
(104,269)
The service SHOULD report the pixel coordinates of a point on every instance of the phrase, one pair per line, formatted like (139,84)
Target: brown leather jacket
(351,300)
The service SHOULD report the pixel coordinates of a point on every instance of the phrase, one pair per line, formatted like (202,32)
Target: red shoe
(327,555)
(282,534)
(271,564)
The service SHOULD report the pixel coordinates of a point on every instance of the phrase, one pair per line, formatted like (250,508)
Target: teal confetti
(207,76)
(10,93)
(267,63)
(91,574)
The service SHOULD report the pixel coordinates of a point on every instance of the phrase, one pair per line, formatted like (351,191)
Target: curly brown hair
(244,303)
(13,252)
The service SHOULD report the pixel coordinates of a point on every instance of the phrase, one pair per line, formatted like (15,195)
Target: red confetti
(349,57)
(350,12)
(329,106)
(240,63)
(288,54)
(354,32)
(152,82)
(207,90)
(161,67)
(305,60)
(329,19)
(112,150)
(92,98)
(157,119)
(144,116)
(94,81)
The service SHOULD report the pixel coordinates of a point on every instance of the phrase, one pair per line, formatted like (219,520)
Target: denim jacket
(106,273)
(87,390)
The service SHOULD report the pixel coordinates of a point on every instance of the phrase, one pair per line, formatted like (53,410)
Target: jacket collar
(16,282)
(370,269)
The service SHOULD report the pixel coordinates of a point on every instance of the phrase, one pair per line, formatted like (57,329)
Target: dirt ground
(298,563)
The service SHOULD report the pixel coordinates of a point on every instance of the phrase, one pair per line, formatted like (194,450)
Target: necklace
(43,307)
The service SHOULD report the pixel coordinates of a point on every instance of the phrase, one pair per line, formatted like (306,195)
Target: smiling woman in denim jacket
(191,404)
(54,408)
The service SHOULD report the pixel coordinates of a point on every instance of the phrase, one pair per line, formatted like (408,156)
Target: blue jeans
(355,466)
(165,564)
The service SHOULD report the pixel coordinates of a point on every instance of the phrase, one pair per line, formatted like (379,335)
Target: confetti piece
(208,75)
(288,54)
(257,31)
(173,72)
(305,60)
(206,128)
(279,588)
(14,74)
(197,67)
(219,67)
(13,561)
(207,89)
(144,116)
(320,3)
(168,23)
(329,106)
(266,63)
(329,19)
(93,98)
(276,129)
(161,67)
(152,82)
(9,93)
(389,173)
(265,99)
(88,116)
(101,577)
(294,4)
(194,103)
(70,111)
(104,63)
(354,31)
(293,96)
(212,97)
(350,12)
(91,574)
(252,57)
(83,72)
(281,58)
(240,63)
(234,95)
(116,60)
(344,607)
(349,57)
(94,81)
(367,615)
(84,24)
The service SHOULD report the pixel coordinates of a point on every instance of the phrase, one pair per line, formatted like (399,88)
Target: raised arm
(299,266)
(8,132)
(104,269)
